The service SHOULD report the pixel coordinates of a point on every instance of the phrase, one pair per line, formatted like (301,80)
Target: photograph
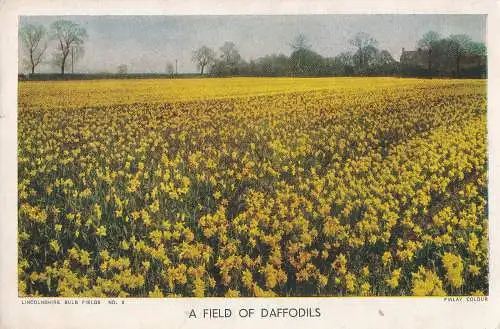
(252,156)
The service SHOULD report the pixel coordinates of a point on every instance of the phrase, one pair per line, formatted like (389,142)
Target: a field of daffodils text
(252,187)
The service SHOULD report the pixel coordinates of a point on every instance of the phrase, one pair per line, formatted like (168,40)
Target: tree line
(435,56)
(303,60)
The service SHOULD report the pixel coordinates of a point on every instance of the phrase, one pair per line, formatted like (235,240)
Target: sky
(146,43)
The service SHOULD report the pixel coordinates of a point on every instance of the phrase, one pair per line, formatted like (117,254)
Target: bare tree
(300,43)
(70,38)
(170,69)
(32,38)
(365,45)
(202,57)
(122,69)
(230,54)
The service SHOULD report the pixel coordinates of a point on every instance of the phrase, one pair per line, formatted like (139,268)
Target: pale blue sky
(146,43)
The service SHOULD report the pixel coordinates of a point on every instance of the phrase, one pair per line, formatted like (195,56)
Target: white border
(171,313)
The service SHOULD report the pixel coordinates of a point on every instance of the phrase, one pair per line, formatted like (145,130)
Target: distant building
(417,57)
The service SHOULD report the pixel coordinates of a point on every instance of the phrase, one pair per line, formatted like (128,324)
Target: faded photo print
(252,156)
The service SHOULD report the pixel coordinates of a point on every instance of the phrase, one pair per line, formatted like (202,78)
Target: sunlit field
(92,93)
(252,187)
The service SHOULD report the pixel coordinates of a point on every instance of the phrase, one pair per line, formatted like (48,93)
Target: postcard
(279,164)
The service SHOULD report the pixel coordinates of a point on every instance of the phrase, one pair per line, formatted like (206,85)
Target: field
(252,187)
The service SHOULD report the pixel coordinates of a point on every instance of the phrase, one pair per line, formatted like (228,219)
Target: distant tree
(32,38)
(70,38)
(270,65)
(122,69)
(448,55)
(300,43)
(366,57)
(230,54)
(203,57)
(443,61)
(384,64)
(344,58)
(477,48)
(366,49)
(385,58)
(306,62)
(303,60)
(428,43)
(460,46)
(230,61)
(170,69)
(343,63)
(428,39)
